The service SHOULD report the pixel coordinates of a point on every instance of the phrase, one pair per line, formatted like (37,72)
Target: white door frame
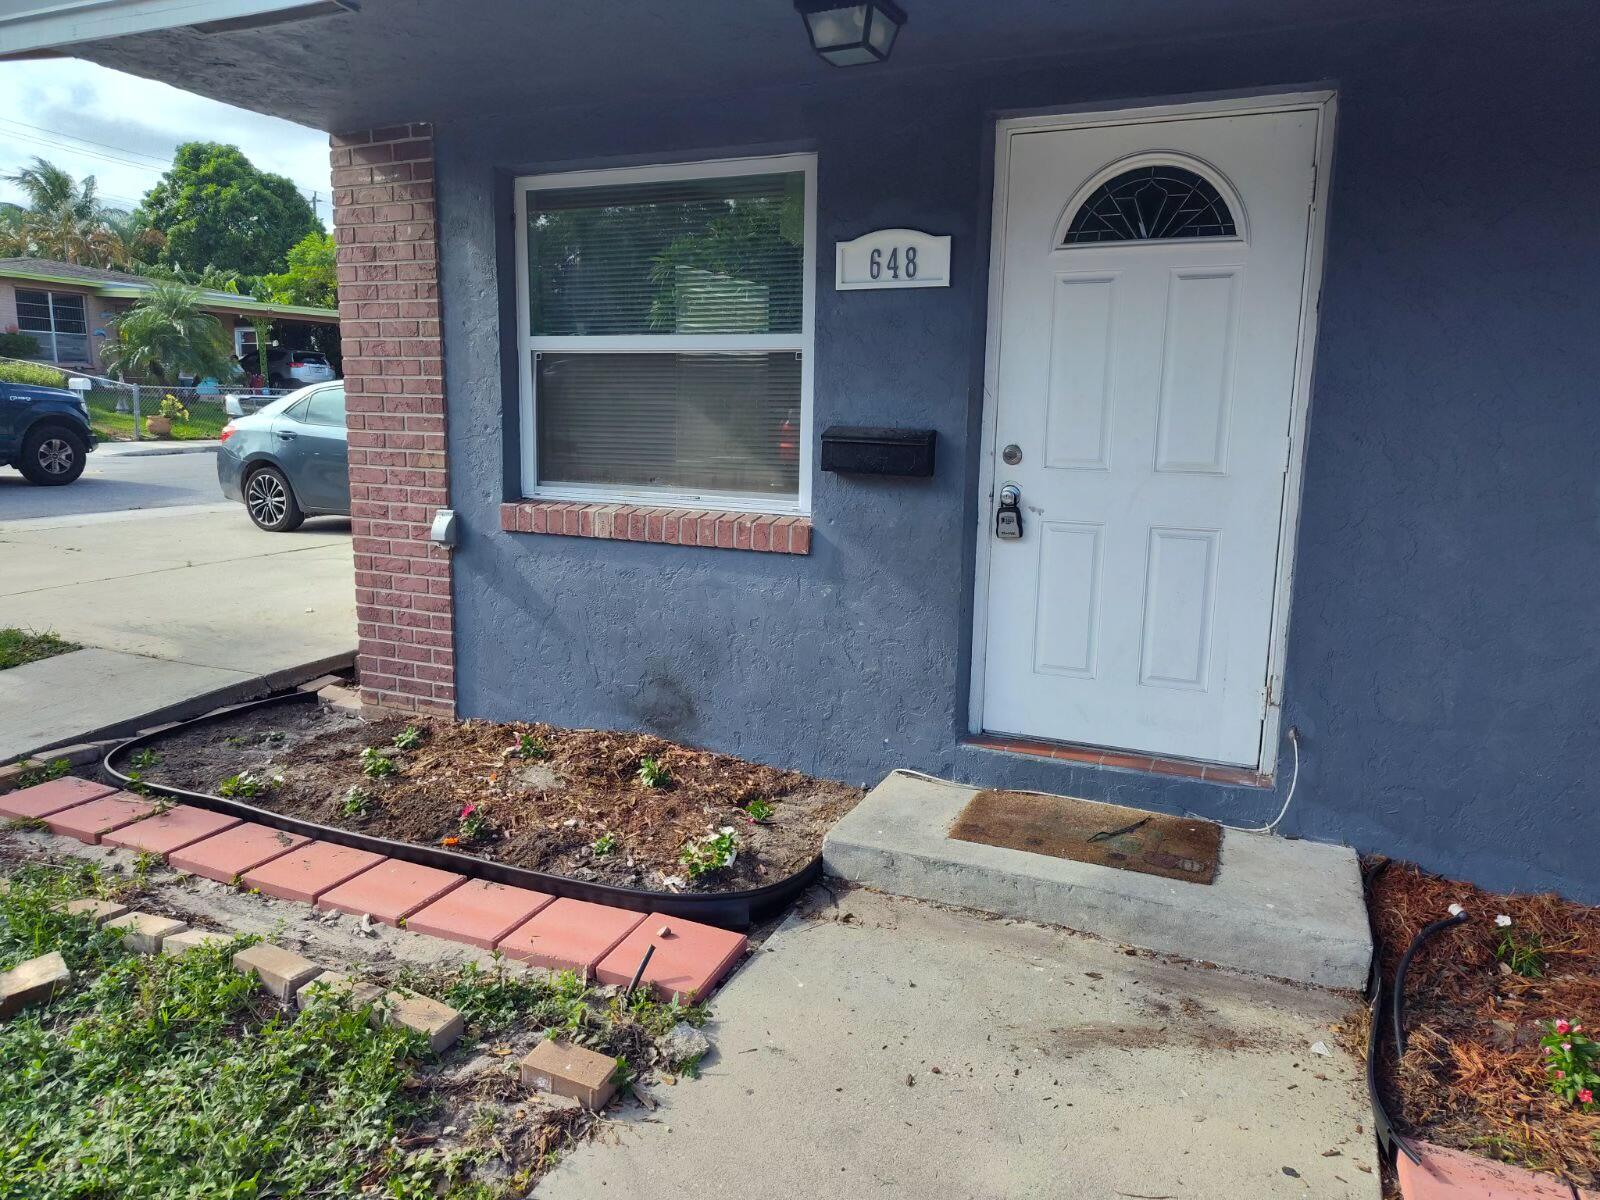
(1324,104)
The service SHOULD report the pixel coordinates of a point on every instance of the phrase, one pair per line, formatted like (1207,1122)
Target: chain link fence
(132,411)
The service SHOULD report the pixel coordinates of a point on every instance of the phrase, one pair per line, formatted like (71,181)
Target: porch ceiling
(399,60)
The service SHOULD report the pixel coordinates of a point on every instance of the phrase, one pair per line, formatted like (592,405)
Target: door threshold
(1099,756)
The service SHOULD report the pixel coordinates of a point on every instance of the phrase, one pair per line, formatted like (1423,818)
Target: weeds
(759,811)
(144,759)
(710,854)
(653,773)
(356,803)
(44,773)
(20,646)
(529,747)
(375,764)
(604,846)
(243,786)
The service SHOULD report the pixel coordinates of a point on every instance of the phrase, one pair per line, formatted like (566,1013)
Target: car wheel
(270,501)
(53,454)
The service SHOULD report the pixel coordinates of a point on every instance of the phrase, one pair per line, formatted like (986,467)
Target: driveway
(181,602)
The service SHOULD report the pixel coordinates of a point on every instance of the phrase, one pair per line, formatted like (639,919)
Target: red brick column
(387,231)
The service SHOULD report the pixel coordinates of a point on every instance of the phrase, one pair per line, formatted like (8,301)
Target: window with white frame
(665,317)
(55,320)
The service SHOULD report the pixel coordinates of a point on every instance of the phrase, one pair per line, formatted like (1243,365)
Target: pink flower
(1561,1074)
(1577,1029)
(1586,1097)
(468,809)
(1563,1026)
(1567,1046)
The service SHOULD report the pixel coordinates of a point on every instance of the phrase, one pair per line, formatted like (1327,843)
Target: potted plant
(172,409)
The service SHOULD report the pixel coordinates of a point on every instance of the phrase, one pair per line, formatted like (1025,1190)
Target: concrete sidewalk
(889,1048)
(181,606)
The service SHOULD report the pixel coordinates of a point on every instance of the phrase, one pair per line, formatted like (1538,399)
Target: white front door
(1143,372)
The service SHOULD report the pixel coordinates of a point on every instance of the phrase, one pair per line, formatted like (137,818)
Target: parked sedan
(288,461)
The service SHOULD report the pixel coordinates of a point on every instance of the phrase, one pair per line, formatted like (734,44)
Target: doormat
(1183,848)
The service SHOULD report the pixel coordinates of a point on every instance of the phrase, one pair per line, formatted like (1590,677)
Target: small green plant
(604,845)
(1572,1063)
(44,773)
(356,803)
(408,738)
(529,747)
(712,853)
(144,759)
(759,811)
(475,826)
(1522,953)
(375,764)
(172,408)
(653,773)
(243,786)
(136,783)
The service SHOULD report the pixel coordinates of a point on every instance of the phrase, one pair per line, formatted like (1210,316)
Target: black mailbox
(868,450)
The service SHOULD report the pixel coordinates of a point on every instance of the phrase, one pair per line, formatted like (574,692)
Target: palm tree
(167,334)
(63,220)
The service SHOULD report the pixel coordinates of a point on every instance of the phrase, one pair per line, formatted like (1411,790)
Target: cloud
(123,129)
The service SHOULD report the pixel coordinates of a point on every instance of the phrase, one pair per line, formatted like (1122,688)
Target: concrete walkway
(888,1048)
(186,607)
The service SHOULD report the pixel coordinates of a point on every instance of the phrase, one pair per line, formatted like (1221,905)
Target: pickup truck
(44,432)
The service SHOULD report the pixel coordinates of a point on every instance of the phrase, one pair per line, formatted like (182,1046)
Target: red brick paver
(306,873)
(478,913)
(688,961)
(87,822)
(172,830)
(229,855)
(1447,1174)
(570,935)
(45,798)
(391,891)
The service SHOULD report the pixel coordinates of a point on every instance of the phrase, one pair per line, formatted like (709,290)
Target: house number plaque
(893,258)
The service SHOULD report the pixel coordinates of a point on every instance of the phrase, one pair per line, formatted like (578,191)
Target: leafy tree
(63,220)
(167,334)
(312,278)
(214,208)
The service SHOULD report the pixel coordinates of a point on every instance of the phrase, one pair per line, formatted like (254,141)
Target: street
(178,599)
(120,476)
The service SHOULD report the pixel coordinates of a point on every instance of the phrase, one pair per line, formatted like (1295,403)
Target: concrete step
(1290,909)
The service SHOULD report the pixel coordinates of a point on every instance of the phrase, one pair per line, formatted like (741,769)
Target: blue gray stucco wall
(1444,652)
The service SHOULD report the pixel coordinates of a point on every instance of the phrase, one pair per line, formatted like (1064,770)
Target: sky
(123,130)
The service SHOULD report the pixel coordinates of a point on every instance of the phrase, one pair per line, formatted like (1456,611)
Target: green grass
(18,646)
(153,1078)
(205,420)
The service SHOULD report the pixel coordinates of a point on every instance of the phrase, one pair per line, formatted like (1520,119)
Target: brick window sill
(762,532)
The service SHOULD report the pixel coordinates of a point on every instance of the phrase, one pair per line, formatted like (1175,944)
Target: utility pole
(316,199)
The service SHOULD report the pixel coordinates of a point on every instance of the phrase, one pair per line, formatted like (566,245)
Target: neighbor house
(70,310)
(1233,368)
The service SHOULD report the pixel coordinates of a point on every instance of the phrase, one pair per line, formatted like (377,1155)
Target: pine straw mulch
(544,813)
(1473,1075)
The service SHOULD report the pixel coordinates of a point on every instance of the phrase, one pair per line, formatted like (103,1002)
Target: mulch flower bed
(619,808)
(1480,999)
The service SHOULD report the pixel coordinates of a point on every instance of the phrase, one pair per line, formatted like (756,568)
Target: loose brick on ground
(689,959)
(478,913)
(228,855)
(176,945)
(89,822)
(568,1070)
(99,911)
(306,873)
(180,826)
(143,932)
(391,891)
(346,988)
(282,972)
(570,935)
(1447,1174)
(32,982)
(43,799)
(439,1023)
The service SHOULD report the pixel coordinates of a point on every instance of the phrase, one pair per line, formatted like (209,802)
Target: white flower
(1456,910)
(1503,921)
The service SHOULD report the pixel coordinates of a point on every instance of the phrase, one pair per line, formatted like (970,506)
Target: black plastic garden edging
(730,910)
